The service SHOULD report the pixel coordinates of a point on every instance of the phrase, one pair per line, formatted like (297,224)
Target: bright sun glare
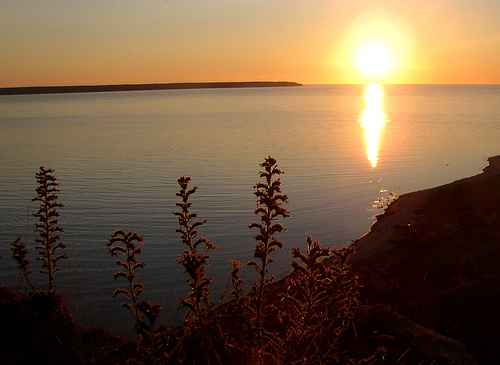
(374,60)
(373,120)
(378,48)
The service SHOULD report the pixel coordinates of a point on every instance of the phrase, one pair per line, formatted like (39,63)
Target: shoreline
(429,274)
(410,209)
(433,257)
(31,90)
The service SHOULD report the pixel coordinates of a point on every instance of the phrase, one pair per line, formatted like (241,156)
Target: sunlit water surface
(345,150)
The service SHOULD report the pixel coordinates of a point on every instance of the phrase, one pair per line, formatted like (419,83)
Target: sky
(91,42)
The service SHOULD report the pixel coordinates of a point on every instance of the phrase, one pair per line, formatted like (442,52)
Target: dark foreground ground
(434,257)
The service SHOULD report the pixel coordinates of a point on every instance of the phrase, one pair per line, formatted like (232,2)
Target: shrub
(19,254)
(319,303)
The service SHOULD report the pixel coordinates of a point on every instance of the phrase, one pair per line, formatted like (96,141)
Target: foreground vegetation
(314,316)
(304,324)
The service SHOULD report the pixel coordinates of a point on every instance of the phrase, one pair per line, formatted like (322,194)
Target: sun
(374,60)
(377,47)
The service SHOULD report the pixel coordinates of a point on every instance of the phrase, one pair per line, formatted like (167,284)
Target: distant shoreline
(140,87)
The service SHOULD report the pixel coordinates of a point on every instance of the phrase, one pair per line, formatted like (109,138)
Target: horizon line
(82,88)
(21,90)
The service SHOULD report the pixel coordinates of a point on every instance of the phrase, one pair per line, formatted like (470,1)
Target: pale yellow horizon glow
(57,42)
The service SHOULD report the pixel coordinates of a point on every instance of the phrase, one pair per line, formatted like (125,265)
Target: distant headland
(140,87)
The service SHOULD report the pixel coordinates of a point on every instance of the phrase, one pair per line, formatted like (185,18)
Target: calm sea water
(117,157)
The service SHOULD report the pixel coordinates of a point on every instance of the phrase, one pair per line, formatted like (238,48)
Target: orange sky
(55,42)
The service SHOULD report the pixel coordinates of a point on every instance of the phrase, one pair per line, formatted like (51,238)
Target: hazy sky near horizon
(56,42)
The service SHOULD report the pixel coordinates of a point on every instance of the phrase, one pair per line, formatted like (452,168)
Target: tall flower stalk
(48,228)
(199,303)
(269,208)
(125,244)
(192,260)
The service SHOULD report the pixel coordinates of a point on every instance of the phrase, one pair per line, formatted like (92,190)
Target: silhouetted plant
(152,341)
(48,230)
(304,324)
(153,344)
(125,244)
(199,303)
(319,303)
(236,319)
(19,253)
(192,260)
(235,279)
(269,207)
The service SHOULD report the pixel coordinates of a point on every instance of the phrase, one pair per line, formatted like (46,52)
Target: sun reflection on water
(373,120)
